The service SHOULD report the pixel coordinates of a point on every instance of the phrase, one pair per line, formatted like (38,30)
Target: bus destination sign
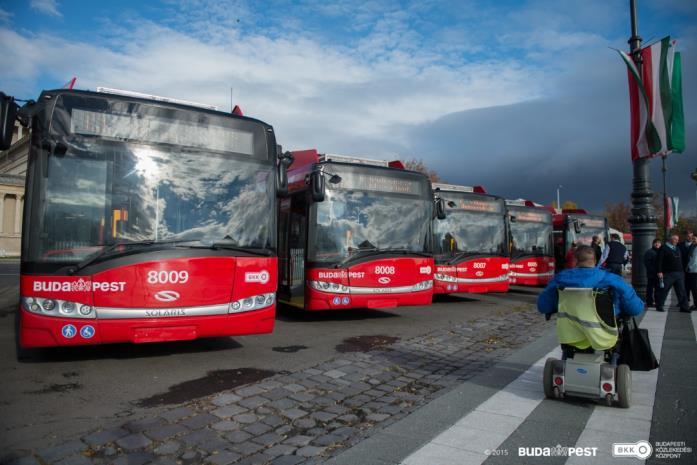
(477,205)
(532,217)
(371,182)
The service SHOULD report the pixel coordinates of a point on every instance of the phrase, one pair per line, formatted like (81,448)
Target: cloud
(578,138)
(48,7)
(514,98)
(4,15)
(303,86)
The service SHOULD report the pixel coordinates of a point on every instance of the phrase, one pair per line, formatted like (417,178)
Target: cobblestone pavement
(309,415)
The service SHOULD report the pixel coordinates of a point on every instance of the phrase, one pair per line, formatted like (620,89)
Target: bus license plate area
(166,333)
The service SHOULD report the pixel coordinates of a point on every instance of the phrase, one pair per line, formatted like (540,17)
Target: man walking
(691,272)
(651,264)
(670,270)
(617,255)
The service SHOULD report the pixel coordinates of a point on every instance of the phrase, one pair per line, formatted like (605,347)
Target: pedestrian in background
(595,243)
(684,247)
(617,255)
(671,273)
(651,264)
(691,272)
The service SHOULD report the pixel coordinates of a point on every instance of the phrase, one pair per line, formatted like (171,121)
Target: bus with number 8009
(146,219)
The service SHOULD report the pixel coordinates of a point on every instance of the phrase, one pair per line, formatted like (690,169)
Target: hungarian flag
(671,206)
(655,96)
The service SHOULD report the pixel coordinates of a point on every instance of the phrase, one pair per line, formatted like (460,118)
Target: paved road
(62,392)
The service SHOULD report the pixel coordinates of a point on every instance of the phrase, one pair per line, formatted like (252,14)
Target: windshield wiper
(362,253)
(230,246)
(108,251)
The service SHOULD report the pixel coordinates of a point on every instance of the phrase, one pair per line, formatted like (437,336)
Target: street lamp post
(643,219)
(558,197)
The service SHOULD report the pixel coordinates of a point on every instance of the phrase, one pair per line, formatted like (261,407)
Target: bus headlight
(445,277)
(329,287)
(255,302)
(423,285)
(57,307)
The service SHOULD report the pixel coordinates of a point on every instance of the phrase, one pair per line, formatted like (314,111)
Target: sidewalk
(489,417)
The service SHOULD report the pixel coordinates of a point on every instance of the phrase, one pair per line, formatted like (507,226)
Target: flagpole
(666,229)
(643,219)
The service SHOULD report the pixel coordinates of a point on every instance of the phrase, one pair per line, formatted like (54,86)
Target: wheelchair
(589,335)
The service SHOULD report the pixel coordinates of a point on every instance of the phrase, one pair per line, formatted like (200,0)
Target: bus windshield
(473,225)
(370,210)
(589,227)
(531,238)
(99,191)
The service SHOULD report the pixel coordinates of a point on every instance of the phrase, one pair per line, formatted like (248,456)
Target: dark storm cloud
(577,137)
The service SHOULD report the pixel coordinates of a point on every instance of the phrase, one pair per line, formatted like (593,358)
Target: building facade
(13,169)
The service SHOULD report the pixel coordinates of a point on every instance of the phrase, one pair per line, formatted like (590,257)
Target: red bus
(532,252)
(471,244)
(354,233)
(146,219)
(576,226)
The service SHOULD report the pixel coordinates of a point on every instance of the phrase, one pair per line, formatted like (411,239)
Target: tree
(415,164)
(617,215)
(684,223)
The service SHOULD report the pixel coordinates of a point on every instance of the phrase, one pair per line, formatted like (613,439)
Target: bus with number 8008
(146,219)
(354,233)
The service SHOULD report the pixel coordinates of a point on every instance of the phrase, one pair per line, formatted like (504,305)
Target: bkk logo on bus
(81,285)
(257,277)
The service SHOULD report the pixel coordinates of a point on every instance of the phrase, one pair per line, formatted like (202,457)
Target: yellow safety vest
(578,323)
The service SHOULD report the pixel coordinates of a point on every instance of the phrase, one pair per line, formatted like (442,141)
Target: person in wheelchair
(589,302)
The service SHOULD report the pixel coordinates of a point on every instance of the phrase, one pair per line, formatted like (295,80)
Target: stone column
(2,211)
(19,201)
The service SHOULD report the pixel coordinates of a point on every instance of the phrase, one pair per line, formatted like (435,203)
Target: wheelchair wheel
(547,378)
(623,385)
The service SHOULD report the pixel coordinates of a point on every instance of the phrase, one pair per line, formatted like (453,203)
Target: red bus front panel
(478,275)
(383,283)
(168,300)
(532,271)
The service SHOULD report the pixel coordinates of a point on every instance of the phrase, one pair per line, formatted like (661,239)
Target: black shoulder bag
(635,348)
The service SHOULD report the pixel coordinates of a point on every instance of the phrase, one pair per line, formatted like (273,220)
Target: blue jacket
(626,301)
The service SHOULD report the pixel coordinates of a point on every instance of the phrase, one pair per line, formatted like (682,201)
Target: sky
(518,96)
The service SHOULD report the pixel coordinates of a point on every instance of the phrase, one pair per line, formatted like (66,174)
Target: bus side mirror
(284,161)
(317,188)
(577,227)
(440,208)
(8,115)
